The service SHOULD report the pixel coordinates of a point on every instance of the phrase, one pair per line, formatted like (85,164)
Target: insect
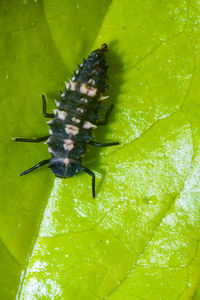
(76,115)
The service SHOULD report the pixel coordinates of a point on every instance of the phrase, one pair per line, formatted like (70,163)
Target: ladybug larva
(76,115)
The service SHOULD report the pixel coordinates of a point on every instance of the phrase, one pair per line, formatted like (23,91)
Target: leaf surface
(140,236)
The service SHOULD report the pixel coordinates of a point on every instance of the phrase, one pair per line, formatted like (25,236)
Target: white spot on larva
(81,65)
(88,125)
(66,161)
(73,78)
(91,81)
(71,86)
(76,120)
(61,114)
(85,89)
(92,92)
(101,98)
(68,145)
(49,122)
(77,72)
(80,110)
(50,131)
(84,100)
(71,129)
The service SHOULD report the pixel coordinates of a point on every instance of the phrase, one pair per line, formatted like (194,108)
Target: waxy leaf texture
(139,238)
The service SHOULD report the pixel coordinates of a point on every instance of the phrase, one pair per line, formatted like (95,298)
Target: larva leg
(44,107)
(37,140)
(89,172)
(105,121)
(102,145)
(40,164)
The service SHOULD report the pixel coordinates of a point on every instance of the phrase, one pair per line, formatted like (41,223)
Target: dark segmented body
(75,117)
(77,114)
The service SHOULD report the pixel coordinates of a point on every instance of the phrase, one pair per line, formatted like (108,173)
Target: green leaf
(139,238)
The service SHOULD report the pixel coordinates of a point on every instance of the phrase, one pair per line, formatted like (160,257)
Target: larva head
(64,167)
